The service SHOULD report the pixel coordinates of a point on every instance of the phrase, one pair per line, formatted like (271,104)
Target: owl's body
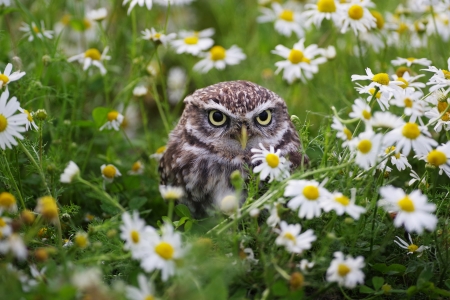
(218,128)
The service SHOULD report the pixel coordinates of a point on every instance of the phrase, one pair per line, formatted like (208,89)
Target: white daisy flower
(70,172)
(155,36)
(159,153)
(11,124)
(141,3)
(8,202)
(163,253)
(440,158)
(361,110)
(5,224)
(415,177)
(367,147)
(290,237)
(146,290)
(30,122)
(411,247)
(171,193)
(440,79)
(109,172)
(137,168)
(136,234)
(218,57)
(115,119)
(409,81)
(14,244)
(381,98)
(399,160)
(386,119)
(301,62)
(323,9)
(439,24)
(140,91)
(176,84)
(380,80)
(92,57)
(229,205)
(413,210)
(410,61)
(356,15)
(342,131)
(193,42)
(32,30)
(97,14)
(329,52)
(6,77)
(308,195)
(274,217)
(341,203)
(272,164)
(442,122)
(411,101)
(286,20)
(305,265)
(346,271)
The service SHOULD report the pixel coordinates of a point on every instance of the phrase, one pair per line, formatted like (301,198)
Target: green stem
(13,181)
(41,129)
(144,121)
(170,211)
(160,109)
(102,193)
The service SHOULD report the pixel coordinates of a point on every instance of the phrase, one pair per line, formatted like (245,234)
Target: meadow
(90,91)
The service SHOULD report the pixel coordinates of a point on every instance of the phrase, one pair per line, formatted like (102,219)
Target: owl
(214,137)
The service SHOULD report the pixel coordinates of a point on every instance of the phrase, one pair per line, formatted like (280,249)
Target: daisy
(30,122)
(274,217)
(367,147)
(340,204)
(109,172)
(14,244)
(137,168)
(140,91)
(171,193)
(144,292)
(290,237)
(97,14)
(81,240)
(440,158)
(386,119)
(11,124)
(381,98)
(361,110)
(155,36)
(380,80)
(342,131)
(229,205)
(399,160)
(356,15)
(308,195)
(8,202)
(409,81)
(415,177)
(176,84)
(413,210)
(115,119)
(163,252)
(218,57)
(301,62)
(440,79)
(286,20)
(272,164)
(193,42)
(47,207)
(70,173)
(323,9)
(136,234)
(439,24)
(6,77)
(92,57)
(305,265)
(5,225)
(411,247)
(141,3)
(346,271)
(410,61)
(411,101)
(159,153)
(32,30)
(442,120)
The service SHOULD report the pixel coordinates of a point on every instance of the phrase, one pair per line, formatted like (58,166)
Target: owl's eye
(217,118)
(264,118)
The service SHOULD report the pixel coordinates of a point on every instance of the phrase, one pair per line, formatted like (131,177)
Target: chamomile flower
(411,247)
(307,195)
(34,31)
(141,3)
(5,225)
(81,240)
(163,252)
(342,131)
(140,91)
(47,207)
(341,203)
(218,57)
(290,237)
(30,122)
(70,173)
(92,57)
(305,265)
(229,205)
(399,160)
(158,153)
(323,9)
(381,98)
(380,81)
(286,20)
(356,15)
(409,81)
(137,168)
(346,271)
(386,119)
(6,77)
(193,42)
(411,101)
(410,61)
(438,117)
(155,36)
(109,172)
(176,84)
(11,124)
(301,62)
(97,14)
(171,193)
(15,245)
(146,290)
(440,79)
(413,210)
(115,119)
(415,177)
(8,202)
(272,164)
(440,158)
(366,147)
(361,110)
(274,217)
(136,234)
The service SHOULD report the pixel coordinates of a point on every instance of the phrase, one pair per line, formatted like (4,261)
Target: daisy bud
(254,213)
(47,208)
(41,254)
(330,53)
(296,281)
(81,240)
(41,114)
(8,202)
(46,59)
(229,204)
(386,288)
(111,233)
(27,217)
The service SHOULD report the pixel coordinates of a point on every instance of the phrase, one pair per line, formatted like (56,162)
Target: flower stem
(170,211)
(103,194)
(5,163)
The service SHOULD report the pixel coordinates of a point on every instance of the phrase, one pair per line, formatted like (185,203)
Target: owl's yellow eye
(217,118)
(264,118)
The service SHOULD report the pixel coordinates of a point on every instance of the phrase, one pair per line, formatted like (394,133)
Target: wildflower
(286,20)
(15,245)
(409,81)
(6,77)
(140,91)
(342,131)
(5,226)
(159,153)
(109,172)
(155,36)
(10,124)
(144,292)
(27,216)
(440,79)
(30,122)
(296,281)
(411,101)
(307,194)
(92,57)
(329,52)
(115,119)
(366,146)
(90,280)
(136,234)
(171,193)
(380,81)
(88,217)
(301,62)
(398,159)
(229,205)
(413,210)
(141,3)
(381,98)
(386,119)
(356,15)
(411,247)
(410,61)
(361,110)
(218,57)
(247,255)
(81,240)
(163,252)
(323,9)
(176,84)
(137,168)
(41,114)
(70,173)
(305,265)
(415,177)
(271,163)
(8,202)
(290,237)
(32,30)
(440,158)
(346,271)
(48,208)
(97,14)
(274,218)
(340,204)
(193,42)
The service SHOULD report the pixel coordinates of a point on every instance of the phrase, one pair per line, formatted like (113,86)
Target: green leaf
(166,219)
(364,289)
(109,208)
(280,288)
(188,226)
(84,123)
(390,270)
(425,275)
(136,203)
(377,282)
(180,222)
(183,211)
(216,289)
(447,283)
(99,115)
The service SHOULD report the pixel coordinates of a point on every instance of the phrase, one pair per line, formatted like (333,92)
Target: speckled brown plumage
(200,157)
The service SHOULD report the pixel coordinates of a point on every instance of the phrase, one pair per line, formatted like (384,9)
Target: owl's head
(230,118)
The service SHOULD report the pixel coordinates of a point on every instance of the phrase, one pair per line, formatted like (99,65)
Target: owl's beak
(243,137)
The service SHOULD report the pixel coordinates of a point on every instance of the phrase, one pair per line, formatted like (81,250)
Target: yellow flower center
(87,24)
(411,59)
(4,79)
(295,56)
(364,146)
(3,123)
(217,53)
(48,207)
(191,40)
(408,102)
(165,250)
(411,131)
(366,114)
(93,54)
(2,222)
(446,74)
(348,133)
(379,18)
(326,6)
(289,236)
(437,158)
(136,166)
(272,160)
(109,171)
(287,15)
(390,149)
(311,192)
(342,200)
(112,115)
(343,270)
(401,71)
(372,91)
(81,240)
(157,35)
(356,12)
(442,106)
(149,297)
(381,78)
(412,248)
(402,28)
(161,150)
(135,236)
(406,204)
(65,19)
(171,195)
(405,83)
(29,117)
(35,29)
(7,199)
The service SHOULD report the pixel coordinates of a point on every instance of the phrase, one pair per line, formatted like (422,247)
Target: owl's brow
(213,105)
(259,109)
